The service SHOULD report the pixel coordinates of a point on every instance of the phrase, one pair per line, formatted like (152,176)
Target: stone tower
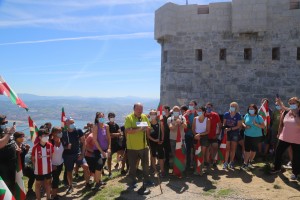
(240,51)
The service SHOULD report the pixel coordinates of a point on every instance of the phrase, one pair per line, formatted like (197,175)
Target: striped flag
(7,91)
(159,112)
(20,193)
(198,158)
(5,193)
(179,158)
(33,129)
(63,119)
(264,112)
(222,149)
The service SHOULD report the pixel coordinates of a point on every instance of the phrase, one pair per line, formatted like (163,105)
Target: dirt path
(214,184)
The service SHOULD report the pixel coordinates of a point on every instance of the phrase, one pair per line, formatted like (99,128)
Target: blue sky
(90,48)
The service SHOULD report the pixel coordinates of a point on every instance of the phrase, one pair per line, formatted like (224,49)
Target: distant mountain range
(81,108)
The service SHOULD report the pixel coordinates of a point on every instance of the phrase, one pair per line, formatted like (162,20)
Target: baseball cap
(3,117)
(42,132)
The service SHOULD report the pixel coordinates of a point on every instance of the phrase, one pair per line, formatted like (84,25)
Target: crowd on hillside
(150,140)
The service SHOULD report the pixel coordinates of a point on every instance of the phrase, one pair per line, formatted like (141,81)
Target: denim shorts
(232,136)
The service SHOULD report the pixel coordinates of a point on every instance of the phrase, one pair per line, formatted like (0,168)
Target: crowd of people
(149,140)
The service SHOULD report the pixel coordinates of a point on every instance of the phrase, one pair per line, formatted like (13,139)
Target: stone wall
(180,31)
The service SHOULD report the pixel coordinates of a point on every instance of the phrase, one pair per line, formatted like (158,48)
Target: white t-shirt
(173,133)
(57,155)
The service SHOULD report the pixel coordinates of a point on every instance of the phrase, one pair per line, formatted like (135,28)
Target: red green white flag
(264,112)
(5,193)
(63,119)
(159,112)
(20,193)
(7,91)
(222,149)
(179,159)
(198,158)
(33,129)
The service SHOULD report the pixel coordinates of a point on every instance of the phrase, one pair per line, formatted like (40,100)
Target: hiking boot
(225,165)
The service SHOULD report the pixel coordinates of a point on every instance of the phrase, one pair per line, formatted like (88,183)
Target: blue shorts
(70,160)
(233,136)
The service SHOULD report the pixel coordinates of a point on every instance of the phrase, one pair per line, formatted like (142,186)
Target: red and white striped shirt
(43,158)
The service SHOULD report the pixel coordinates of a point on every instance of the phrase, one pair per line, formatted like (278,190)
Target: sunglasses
(4,123)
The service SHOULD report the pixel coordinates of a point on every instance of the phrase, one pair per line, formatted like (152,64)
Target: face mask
(251,112)
(176,114)
(163,113)
(199,113)
(191,107)
(3,126)
(232,109)
(278,107)
(208,110)
(101,120)
(152,117)
(111,119)
(72,126)
(293,106)
(45,139)
(59,135)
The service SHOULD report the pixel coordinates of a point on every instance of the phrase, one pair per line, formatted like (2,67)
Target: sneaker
(231,165)
(102,183)
(206,164)
(133,185)
(293,177)
(69,190)
(88,185)
(244,167)
(214,165)
(97,187)
(55,198)
(149,184)
(288,165)
(162,174)
(275,171)
(225,165)
(76,176)
(250,165)
(109,175)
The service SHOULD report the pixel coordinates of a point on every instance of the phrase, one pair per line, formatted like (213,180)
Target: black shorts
(268,138)
(92,163)
(157,150)
(115,147)
(99,161)
(251,143)
(213,141)
(43,177)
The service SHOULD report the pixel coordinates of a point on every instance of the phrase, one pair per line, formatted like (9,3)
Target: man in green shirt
(136,126)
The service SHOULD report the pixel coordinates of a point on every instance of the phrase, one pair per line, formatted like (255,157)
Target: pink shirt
(89,143)
(291,131)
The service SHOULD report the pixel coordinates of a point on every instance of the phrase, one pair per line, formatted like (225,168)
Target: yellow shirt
(136,141)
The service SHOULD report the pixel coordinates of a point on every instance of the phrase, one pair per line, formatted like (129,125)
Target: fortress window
(222,54)
(165,56)
(247,54)
(199,54)
(294,4)
(298,53)
(203,9)
(276,53)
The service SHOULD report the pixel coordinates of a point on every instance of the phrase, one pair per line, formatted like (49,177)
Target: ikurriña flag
(33,129)
(63,119)
(264,112)
(198,158)
(222,149)
(20,193)
(5,193)
(7,91)
(179,158)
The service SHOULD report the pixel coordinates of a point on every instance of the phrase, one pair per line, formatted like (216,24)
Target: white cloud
(97,37)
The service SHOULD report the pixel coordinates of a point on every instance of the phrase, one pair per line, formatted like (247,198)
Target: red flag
(33,129)
(264,112)
(198,158)
(20,193)
(7,91)
(179,159)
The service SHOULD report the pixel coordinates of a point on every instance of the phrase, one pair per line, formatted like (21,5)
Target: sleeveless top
(57,155)
(291,130)
(102,138)
(200,127)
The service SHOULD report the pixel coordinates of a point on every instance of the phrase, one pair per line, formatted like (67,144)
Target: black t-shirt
(166,127)
(154,131)
(113,128)
(74,139)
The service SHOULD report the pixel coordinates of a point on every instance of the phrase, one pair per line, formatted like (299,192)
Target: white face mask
(152,117)
(59,135)
(45,139)
(111,119)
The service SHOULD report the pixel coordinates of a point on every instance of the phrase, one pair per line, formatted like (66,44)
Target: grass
(224,192)
(109,192)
